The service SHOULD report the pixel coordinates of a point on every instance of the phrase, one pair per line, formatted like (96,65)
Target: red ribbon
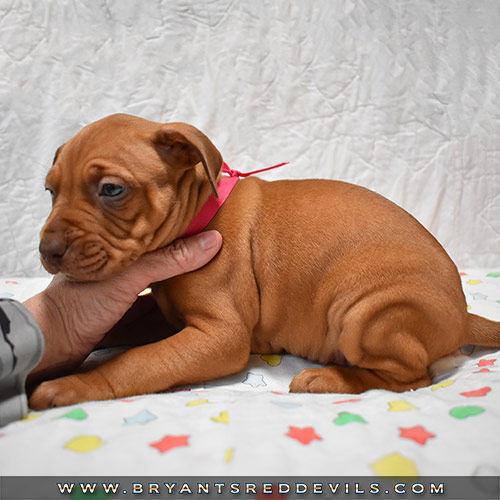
(213,204)
(237,173)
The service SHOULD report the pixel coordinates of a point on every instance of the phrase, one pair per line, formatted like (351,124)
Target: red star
(170,442)
(346,401)
(483,370)
(418,433)
(303,434)
(486,362)
(476,394)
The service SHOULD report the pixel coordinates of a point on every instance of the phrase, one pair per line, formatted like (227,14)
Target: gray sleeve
(21,348)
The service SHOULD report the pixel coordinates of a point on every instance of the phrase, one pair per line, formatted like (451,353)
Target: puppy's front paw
(62,391)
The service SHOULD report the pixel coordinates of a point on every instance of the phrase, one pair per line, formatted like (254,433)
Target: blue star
(479,296)
(141,418)
(287,405)
(254,380)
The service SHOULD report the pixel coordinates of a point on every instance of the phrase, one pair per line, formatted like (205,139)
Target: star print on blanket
(249,424)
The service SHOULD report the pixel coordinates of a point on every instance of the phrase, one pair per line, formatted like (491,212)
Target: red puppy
(320,269)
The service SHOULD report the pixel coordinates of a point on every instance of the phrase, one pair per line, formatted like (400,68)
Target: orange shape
(476,394)
(486,362)
(168,443)
(418,433)
(303,435)
(483,370)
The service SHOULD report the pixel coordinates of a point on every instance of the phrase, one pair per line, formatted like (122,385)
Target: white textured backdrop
(400,96)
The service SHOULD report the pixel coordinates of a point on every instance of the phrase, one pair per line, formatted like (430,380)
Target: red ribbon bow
(237,173)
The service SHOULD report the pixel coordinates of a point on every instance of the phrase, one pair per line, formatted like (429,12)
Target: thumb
(181,256)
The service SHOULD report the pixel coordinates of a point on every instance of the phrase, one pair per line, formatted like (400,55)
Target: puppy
(320,269)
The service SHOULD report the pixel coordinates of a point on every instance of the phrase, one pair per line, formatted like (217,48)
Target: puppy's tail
(483,332)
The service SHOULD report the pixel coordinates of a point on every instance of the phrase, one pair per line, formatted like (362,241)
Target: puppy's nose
(52,248)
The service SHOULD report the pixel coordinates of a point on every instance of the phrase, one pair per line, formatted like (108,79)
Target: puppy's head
(121,187)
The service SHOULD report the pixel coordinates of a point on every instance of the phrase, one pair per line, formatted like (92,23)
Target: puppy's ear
(57,153)
(184,146)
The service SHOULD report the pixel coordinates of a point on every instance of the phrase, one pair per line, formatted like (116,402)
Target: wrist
(57,353)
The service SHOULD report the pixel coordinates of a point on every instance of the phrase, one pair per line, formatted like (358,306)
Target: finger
(189,254)
(180,257)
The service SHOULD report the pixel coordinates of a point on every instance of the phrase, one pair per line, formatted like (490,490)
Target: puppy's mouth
(84,260)
(90,265)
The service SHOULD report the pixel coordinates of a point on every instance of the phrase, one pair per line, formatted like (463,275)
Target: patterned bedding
(400,97)
(248,423)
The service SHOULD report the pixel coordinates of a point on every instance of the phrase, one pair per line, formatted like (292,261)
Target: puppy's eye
(50,192)
(111,190)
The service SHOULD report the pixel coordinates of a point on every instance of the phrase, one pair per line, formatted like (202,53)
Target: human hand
(74,317)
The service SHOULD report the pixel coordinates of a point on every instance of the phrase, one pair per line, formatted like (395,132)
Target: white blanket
(248,423)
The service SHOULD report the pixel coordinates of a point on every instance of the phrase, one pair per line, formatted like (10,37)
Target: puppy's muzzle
(80,255)
(53,247)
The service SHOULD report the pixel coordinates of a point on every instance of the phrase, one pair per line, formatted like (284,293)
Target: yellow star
(222,418)
(446,383)
(401,405)
(271,359)
(197,402)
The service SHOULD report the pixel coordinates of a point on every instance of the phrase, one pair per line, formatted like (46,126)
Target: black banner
(159,488)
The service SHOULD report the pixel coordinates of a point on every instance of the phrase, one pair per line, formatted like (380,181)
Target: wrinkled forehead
(118,139)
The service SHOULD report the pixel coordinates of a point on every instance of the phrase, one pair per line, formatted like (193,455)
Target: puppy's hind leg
(385,348)
(345,380)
